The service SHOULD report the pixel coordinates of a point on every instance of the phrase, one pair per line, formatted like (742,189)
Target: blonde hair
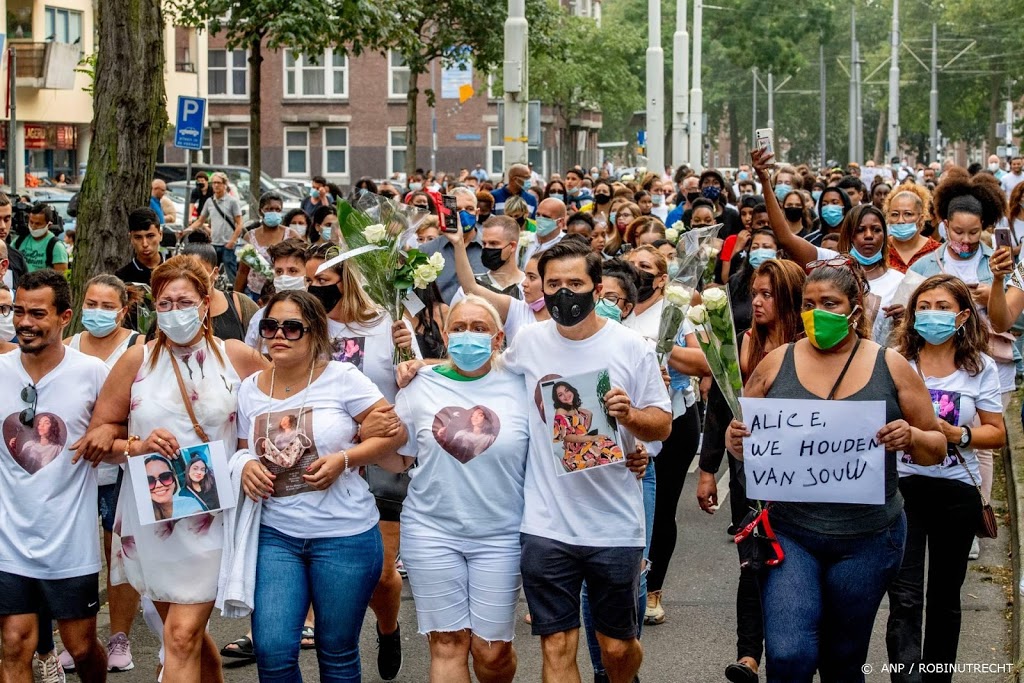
(919,192)
(356,305)
(475,300)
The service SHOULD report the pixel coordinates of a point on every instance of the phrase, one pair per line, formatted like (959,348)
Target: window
(236,146)
(398,75)
(495,151)
(323,77)
(228,73)
(296,151)
(335,151)
(206,154)
(64,26)
(396,150)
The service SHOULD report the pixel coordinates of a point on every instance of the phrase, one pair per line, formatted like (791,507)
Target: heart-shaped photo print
(36,446)
(466,432)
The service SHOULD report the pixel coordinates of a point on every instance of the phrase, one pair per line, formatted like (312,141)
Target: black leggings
(670,466)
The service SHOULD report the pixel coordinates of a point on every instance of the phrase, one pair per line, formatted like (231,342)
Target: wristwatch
(965,437)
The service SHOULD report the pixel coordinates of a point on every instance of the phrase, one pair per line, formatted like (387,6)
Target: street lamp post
(655,89)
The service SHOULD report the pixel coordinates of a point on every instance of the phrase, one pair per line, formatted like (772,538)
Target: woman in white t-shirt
(945,340)
(469,434)
(652,267)
(319,543)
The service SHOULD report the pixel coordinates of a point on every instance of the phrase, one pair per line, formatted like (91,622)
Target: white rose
(677,295)
(375,234)
(712,254)
(672,235)
(526,237)
(436,261)
(678,226)
(698,315)
(715,298)
(423,276)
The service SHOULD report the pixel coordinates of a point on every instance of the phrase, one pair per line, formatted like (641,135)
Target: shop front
(50,149)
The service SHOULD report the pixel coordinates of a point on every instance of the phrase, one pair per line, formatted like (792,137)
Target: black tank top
(839,519)
(228,325)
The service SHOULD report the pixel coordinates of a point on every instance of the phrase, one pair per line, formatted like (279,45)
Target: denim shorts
(74,598)
(107,499)
(553,575)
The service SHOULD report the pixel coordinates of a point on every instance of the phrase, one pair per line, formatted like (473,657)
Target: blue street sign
(188,129)
(641,137)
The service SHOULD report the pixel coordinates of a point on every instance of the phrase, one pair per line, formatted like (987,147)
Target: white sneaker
(119,653)
(975,550)
(48,669)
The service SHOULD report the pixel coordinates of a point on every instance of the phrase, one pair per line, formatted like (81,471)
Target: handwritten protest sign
(814,451)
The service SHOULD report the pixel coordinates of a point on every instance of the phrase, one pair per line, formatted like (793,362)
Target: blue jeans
(650,486)
(228,261)
(338,575)
(820,603)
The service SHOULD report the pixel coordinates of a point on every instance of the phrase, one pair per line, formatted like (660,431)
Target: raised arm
(464,271)
(1005,304)
(797,248)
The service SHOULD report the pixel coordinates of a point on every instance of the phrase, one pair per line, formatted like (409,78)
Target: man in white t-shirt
(1015,176)
(587,521)
(49,546)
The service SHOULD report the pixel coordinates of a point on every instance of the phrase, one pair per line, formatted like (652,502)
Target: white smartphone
(765,139)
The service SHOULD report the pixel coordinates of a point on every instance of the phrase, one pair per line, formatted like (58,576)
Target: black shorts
(553,576)
(74,598)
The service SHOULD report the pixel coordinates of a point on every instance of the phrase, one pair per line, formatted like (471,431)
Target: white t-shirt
(1010,181)
(48,506)
(647,323)
(327,425)
(956,399)
(603,506)
(470,439)
(884,287)
(519,316)
(966,270)
(1018,229)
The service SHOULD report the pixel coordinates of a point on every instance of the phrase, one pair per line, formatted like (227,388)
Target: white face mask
(40,233)
(299,228)
(289,283)
(181,327)
(7,327)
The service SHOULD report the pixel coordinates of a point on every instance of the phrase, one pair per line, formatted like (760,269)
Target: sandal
(308,633)
(740,673)
(242,649)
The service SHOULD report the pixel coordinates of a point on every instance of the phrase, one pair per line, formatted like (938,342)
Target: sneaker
(655,613)
(48,669)
(389,654)
(401,567)
(66,661)
(119,653)
(975,550)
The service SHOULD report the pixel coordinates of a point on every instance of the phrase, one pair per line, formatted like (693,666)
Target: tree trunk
(255,123)
(879,155)
(996,83)
(129,120)
(734,137)
(411,133)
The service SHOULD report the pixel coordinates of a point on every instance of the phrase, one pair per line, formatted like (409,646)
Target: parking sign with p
(188,128)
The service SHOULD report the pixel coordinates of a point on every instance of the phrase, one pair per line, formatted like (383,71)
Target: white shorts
(463,584)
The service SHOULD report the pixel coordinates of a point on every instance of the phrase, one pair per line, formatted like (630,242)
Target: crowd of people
(536,444)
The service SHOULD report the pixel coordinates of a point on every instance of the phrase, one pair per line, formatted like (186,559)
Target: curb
(1014,487)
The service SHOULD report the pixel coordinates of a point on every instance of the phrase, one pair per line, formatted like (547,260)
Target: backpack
(50,247)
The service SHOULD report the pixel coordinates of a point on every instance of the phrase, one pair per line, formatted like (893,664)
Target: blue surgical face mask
(866,260)
(314,193)
(469,350)
(527,184)
(546,226)
(759,256)
(816,195)
(326,231)
(935,326)
(782,189)
(557,195)
(832,215)
(742,175)
(99,322)
(415,187)
(657,199)
(608,310)
(673,268)
(272,219)
(468,220)
(903,231)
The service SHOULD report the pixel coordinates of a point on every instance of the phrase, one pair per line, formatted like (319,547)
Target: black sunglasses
(164,479)
(29,395)
(293,329)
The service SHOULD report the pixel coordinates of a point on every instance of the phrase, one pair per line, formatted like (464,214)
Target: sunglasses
(293,329)
(837,262)
(163,479)
(29,395)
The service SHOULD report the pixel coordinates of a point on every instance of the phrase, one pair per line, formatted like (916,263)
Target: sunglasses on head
(29,395)
(164,479)
(293,329)
(836,262)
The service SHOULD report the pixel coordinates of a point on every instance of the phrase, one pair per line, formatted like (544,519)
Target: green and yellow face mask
(825,329)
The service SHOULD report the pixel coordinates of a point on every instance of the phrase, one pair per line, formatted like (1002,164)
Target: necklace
(288,387)
(302,408)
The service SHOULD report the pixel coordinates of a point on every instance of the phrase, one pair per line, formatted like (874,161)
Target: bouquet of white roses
(247,254)
(673,313)
(718,341)
(372,235)
(695,251)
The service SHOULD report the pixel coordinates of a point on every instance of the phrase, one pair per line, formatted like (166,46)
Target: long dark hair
(431,334)
(207,484)
(786,281)
(576,400)
(313,315)
(740,281)
(972,337)
(852,221)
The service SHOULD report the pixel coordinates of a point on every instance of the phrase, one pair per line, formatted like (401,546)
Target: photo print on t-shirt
(584,436)
(35,446)
(947,408)
(169,489)
(466,432)
(285,443)
(350,350)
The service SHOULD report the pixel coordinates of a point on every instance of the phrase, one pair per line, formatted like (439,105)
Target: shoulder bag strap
(187,401)
(839,380)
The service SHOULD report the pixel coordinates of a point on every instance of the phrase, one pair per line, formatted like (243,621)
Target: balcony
(46,65)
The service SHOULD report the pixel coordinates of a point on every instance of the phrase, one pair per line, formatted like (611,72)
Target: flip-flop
(308,633)
(740,673)
(243,649)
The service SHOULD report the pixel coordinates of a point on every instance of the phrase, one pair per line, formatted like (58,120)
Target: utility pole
(933,99)
(433,118)
(860,104)
(515,78)
(696,94)
(821,113)
(753,127)
(1009,114)
(12,127)
(680,87)
(852,137)
(894,82)
(655,90)
(771,102)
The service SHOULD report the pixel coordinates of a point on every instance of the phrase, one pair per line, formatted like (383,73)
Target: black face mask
(567,308)
(692,196)
(793,213)
(491,257)
(646,289)
(602,198)
(482,218)
(329,295)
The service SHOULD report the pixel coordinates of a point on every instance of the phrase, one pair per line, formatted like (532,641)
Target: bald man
(995,166)
(518,184)
(161,203)
(551,218)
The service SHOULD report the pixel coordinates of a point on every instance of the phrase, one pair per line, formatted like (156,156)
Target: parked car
(238,176)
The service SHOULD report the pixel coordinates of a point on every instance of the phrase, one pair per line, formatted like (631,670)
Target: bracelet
(345,453)
(128,443)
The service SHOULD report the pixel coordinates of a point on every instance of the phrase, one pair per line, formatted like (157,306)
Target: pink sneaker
(119,653)
(66,662)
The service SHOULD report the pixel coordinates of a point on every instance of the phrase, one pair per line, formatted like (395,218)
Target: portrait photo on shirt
(584,436)
(465,432)
(350,350)
(285,444)
(196,482)
(947,408)
(35,445)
